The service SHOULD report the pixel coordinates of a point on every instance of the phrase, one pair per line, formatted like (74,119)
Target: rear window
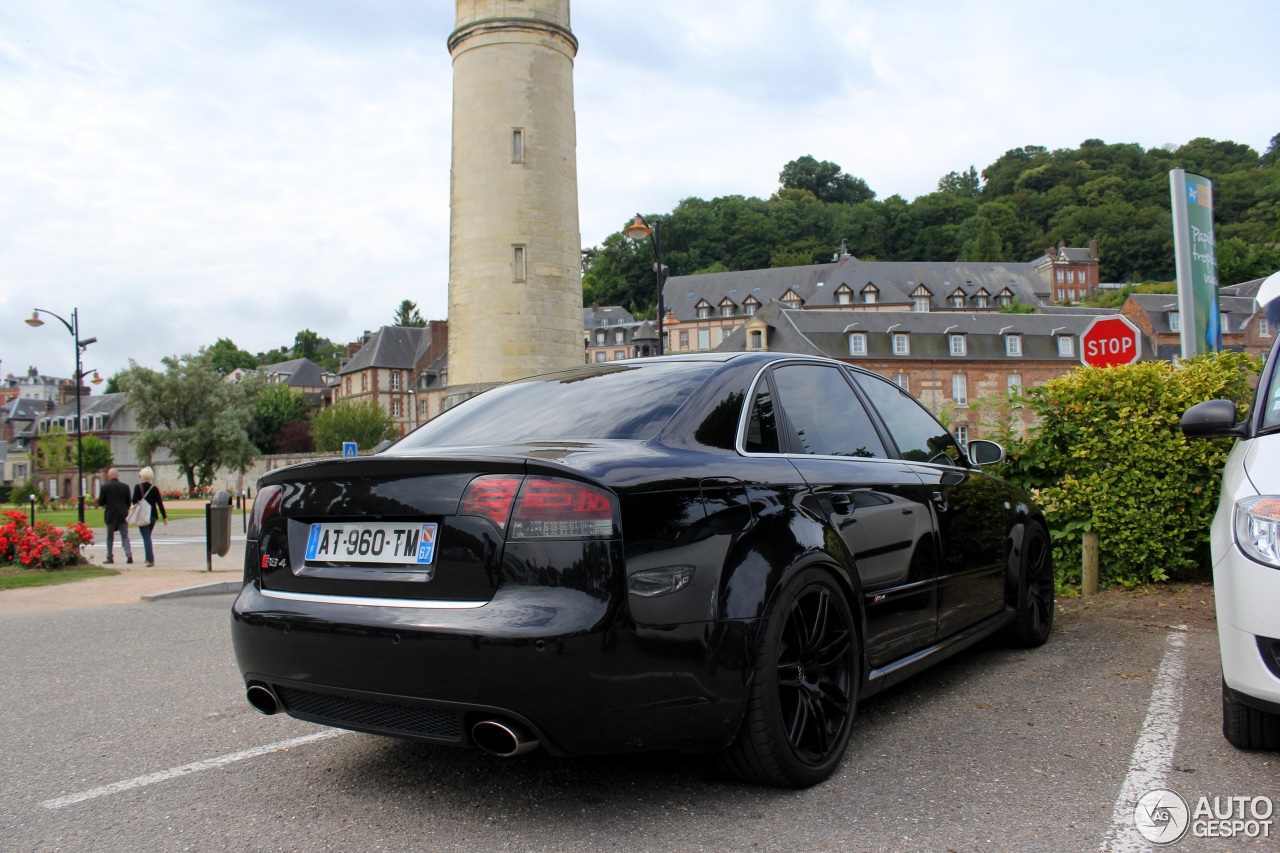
(617,401)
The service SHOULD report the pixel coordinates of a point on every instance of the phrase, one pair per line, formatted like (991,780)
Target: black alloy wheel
(1034,617)
(802,700)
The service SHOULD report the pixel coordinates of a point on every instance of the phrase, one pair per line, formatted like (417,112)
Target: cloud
(185,172)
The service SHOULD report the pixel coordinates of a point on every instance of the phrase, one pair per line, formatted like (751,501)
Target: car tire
(1248,728)
(803,690)
(1033,612)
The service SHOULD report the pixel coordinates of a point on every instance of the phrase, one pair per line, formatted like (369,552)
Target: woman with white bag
(147,505)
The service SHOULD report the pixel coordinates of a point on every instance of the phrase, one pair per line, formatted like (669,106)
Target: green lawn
(13,578)
(93,515)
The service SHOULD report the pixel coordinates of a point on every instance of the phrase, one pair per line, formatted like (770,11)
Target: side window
(762,429)
(825,413)
(919,436)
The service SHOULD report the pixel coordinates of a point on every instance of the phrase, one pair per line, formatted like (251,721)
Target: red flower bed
(42,546)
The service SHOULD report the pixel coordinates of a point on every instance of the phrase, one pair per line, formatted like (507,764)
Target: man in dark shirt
(114,497)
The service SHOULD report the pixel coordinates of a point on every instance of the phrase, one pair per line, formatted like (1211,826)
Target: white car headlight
(1258,528)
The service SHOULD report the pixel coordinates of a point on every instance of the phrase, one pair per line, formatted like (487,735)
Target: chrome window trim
(409,603)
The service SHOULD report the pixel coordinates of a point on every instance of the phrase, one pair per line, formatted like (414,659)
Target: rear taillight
(540,507)
(266,506)
(491,497)
(548,508)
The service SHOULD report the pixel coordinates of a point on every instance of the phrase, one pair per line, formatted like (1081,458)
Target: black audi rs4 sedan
(716,553)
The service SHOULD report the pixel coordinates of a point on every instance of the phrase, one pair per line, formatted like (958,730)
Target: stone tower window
(517,263)
(517,145)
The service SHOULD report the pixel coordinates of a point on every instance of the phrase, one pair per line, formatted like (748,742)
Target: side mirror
(983,452)
(1212,419)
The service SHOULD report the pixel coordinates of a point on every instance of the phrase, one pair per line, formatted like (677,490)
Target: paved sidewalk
(180,566)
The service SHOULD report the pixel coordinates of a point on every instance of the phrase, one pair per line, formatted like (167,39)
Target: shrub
(1110,456)
(41,546)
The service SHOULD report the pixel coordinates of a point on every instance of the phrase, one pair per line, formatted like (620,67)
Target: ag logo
(1161,816)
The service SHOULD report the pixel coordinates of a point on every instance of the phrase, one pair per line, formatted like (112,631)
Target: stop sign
(1109,341)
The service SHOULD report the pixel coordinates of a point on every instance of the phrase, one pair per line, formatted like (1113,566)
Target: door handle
(939,501)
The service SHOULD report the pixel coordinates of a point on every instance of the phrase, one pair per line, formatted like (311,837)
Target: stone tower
(515,262)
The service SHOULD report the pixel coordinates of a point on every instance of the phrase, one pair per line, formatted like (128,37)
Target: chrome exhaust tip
(262,699)
(503,738)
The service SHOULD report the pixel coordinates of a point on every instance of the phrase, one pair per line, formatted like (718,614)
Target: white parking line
(194,767)
(1153,753)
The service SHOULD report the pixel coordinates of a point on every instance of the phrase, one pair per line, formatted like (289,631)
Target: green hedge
(1110,456)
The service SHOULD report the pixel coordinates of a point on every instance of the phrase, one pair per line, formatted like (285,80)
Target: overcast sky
(181,171)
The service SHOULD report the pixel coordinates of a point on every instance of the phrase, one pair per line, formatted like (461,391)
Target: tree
(407,315)
(95,454)
(55,451)
(306,344)
(189,410)
(367,424)
(276,406)
(226,357)
(966,184)
(825,180)
(295,437)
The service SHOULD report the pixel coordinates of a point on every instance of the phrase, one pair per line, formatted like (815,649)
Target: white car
(1245,540)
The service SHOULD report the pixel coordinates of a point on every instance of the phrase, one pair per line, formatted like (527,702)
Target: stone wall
(169,477)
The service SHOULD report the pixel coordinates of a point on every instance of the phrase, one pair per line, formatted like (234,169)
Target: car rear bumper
(567,665)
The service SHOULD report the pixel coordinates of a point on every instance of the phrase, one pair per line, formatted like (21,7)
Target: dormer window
(844,295)
(957,343)
(751,306)
(755,339)
(901,343)
(1175,321)
(704,310)
(1005,299)
(857,343)
(957,299)
(727,307)
(791,299)
(981,299)
(870,294)
(921,300)
(1013,345)
(599,337)
(1066,346)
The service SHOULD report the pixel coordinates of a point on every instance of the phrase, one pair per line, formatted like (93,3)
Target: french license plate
(396,543)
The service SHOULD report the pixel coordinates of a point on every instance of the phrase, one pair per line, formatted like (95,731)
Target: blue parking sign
(349,448)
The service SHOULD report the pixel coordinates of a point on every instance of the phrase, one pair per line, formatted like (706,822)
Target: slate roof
(396,347)
(895,281)
(103,404)
(598,316)
(299,373)
(826,333)
(1158,306)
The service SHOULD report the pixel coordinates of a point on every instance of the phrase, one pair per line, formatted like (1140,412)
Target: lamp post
(638,230)
(74,329)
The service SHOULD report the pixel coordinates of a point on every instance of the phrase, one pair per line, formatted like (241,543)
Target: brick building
(402,369)
(1072,273)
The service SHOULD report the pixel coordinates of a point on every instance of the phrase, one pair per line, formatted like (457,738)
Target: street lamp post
(74,329)
(638,230)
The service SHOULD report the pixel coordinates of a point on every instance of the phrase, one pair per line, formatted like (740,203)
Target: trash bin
(217,525)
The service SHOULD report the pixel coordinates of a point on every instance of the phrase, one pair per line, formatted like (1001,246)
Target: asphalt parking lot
(124,727)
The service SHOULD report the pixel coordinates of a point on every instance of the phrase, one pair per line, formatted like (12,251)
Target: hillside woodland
(1028,199)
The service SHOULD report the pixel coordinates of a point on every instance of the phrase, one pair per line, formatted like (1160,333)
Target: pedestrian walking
(113,497)
(147,491)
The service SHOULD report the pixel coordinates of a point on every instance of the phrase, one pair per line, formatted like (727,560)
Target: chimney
(1093,248)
